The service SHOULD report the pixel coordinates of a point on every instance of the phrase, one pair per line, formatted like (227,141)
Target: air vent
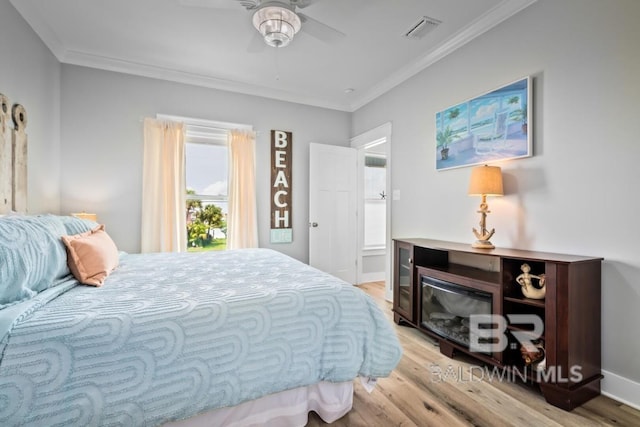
(422,27)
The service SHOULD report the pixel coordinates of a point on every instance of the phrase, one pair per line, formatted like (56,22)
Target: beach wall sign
(281,206)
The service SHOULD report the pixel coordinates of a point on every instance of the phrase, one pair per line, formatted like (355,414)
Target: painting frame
(494,126)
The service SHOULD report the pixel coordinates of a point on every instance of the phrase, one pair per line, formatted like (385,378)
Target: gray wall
(102,131)
(578,193)
(30,75)
(575,195)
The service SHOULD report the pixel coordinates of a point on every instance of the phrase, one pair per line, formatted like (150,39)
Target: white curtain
(242,222)
(164,227)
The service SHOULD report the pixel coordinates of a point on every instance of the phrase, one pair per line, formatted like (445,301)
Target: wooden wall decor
(281,220)
(19,147)
(13,158)
(6,170)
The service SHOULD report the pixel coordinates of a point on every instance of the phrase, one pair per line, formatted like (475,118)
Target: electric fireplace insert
(446,308)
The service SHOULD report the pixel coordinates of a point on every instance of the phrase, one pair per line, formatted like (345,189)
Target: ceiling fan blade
(212,4)
(301,4)
(319,30)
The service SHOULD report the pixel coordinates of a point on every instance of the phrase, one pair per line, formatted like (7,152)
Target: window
(375,204)
(206,158)
(207,172)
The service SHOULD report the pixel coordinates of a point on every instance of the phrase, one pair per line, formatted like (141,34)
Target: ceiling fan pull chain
(277,64)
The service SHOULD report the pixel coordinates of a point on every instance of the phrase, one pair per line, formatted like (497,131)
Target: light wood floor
(416,395)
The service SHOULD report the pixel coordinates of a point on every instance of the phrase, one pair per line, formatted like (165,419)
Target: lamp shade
(486,180)
(84,215)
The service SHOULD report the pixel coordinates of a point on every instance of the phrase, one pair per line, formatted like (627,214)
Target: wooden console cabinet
(570,310)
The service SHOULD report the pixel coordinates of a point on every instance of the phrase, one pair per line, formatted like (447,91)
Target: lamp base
(483,244)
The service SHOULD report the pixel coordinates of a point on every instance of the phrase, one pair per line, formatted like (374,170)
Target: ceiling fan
(277,21)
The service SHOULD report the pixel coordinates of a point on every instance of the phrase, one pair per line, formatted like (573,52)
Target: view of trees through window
(206,205)
(206,225)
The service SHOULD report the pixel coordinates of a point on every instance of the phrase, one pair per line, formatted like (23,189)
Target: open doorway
(373,211)
(374,206)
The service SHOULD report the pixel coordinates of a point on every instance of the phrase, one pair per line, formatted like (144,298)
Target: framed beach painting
(493,126)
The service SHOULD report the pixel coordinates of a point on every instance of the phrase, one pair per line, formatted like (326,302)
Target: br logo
(487,331)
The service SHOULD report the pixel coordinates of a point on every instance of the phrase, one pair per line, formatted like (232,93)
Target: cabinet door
(403,286)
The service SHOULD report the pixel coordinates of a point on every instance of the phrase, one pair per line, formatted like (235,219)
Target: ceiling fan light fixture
(277,24)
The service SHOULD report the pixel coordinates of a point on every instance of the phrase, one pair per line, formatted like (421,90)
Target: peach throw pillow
(91,256)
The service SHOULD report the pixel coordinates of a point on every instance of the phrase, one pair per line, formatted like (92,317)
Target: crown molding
(41,28)
(493,17)
(157,72)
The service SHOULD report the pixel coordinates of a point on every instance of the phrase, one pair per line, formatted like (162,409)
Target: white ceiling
(211,43)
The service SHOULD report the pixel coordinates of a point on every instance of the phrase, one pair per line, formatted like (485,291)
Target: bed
(237,338)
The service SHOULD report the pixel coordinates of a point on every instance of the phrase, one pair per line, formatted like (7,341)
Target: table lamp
(485,181)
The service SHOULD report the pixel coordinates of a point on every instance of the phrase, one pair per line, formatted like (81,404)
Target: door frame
(361,142)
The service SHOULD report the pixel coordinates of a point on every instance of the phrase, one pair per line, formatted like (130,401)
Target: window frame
(207,197)
(205,131)
(210,132)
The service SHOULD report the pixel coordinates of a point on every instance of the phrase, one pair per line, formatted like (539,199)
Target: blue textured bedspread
(172,335)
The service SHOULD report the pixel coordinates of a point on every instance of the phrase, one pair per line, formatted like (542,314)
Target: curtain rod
(210,124)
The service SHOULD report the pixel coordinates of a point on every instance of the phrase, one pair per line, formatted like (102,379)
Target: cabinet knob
(410,261)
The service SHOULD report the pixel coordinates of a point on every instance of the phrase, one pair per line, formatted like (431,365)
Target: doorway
(374,206)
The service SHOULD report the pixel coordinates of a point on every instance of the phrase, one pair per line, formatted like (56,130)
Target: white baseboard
(621,389)
(372,277)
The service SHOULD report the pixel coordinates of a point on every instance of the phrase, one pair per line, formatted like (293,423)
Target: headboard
(13,158)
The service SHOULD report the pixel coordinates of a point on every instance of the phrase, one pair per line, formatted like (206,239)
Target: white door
(332,210)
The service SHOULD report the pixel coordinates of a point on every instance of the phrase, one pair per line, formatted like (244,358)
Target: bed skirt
(329,400)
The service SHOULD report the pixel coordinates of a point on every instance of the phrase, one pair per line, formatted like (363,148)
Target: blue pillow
(75,225)
(32,256)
